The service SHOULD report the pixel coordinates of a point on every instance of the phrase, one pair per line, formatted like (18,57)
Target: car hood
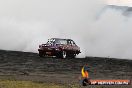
(51,45)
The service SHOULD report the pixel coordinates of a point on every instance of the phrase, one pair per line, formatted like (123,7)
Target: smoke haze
(98,29)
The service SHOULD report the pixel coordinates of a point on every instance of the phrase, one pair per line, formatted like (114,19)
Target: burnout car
(61,48)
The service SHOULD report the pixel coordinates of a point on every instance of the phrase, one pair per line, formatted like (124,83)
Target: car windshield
(56,41)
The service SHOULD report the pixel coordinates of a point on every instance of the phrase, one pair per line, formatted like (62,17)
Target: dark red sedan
(61,48)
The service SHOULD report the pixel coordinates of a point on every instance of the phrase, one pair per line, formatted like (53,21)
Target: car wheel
(40,53)
(64,54)
(73,55)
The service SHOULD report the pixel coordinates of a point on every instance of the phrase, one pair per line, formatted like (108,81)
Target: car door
(69,45)
(73,45)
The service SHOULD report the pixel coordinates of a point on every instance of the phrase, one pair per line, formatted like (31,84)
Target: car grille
(50,49)
(46,48)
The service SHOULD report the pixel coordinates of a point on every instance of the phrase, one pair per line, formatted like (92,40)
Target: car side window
(73,43)
(69,42)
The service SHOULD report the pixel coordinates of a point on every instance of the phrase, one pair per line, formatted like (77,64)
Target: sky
(97,29)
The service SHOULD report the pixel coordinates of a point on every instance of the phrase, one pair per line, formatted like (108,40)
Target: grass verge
(27,84)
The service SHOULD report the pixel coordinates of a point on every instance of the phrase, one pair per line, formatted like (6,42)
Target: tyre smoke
(98,29)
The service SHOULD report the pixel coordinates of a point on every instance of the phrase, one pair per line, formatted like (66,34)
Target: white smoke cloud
(111,35)
(26,24)
(120,2)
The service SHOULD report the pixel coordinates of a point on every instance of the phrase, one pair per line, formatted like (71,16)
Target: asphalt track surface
(29,66)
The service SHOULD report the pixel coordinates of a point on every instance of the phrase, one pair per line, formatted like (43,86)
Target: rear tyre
(73,55)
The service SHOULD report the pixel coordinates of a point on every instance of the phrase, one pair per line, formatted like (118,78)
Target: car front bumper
(49,52)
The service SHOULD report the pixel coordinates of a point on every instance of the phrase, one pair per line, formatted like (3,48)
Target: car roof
(60,39)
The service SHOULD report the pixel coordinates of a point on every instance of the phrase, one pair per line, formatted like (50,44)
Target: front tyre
(64,54)
(40,53)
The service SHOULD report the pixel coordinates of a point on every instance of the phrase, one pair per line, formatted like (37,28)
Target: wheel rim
(64,54)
